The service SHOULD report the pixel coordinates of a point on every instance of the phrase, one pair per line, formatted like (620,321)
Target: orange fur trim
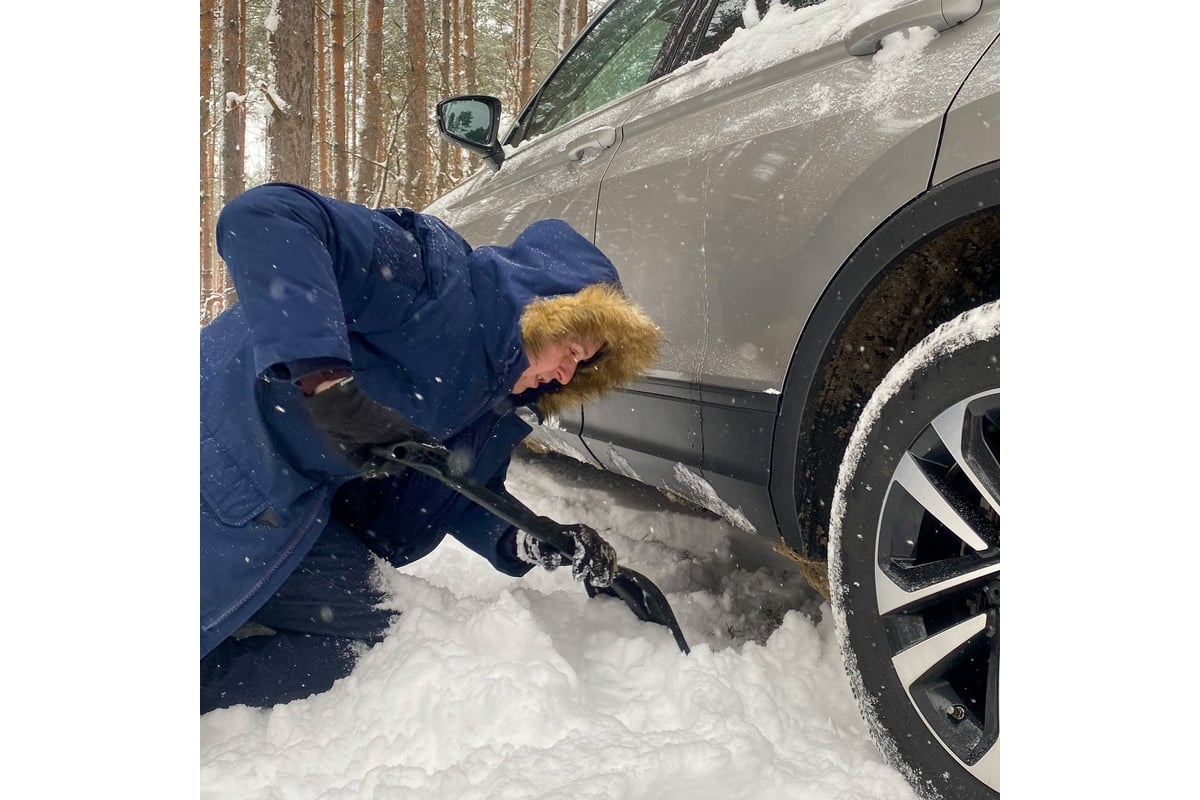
(600,312)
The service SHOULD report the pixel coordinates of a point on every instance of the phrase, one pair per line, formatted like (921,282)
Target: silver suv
(806,197)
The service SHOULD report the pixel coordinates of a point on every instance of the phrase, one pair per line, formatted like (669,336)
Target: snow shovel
(639,593)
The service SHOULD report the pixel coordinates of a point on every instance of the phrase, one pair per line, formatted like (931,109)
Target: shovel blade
(645,600)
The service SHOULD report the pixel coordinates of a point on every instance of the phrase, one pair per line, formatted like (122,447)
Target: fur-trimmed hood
(601,313)
(559,285)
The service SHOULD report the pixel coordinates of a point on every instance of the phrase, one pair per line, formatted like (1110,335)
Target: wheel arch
(931,260)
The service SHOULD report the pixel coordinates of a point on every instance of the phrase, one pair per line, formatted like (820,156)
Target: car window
(613,58)
(729,15)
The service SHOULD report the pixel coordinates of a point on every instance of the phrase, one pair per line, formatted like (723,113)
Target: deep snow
(495,687)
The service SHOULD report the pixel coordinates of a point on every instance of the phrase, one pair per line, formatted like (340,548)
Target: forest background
(339,95)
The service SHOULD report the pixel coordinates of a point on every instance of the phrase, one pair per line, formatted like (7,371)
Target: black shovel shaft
(432,462)
(642,596)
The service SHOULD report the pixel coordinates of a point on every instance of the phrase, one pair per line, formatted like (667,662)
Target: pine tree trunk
(518,5)
(468,26)
(451,35)
(443,176)
(321,102)
(581,17)
(566,23)
(416,139)
(290,125)
(233,137)
(341,174)
(355,88)
(242,81)
(233,133)
(466,78)
(372,129)
(207,182)
(525,52)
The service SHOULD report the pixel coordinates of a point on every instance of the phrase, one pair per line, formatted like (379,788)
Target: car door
(563,141)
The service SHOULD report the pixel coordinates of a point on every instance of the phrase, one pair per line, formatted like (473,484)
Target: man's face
(556,363)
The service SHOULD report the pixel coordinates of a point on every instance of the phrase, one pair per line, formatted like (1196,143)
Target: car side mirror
(471,122)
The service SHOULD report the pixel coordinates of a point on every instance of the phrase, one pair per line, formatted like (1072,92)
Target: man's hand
(355,423)
(593,561)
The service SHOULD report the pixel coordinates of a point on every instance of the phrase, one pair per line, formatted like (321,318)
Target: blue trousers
(323,615)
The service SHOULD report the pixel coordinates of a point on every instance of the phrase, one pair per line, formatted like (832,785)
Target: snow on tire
(914,560)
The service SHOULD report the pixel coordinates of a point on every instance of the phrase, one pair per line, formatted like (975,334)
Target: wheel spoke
(916,661)
(960,431)
(987,768)
(923,583)
(931,494)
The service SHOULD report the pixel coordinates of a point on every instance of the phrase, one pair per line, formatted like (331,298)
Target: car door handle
(864,39)
(592,141)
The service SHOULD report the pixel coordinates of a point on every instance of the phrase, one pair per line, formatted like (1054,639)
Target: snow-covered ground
(495,687)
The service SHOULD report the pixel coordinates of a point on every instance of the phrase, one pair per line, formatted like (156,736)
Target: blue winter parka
(428,325)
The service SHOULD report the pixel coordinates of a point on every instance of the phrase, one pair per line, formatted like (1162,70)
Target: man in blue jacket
(357,327)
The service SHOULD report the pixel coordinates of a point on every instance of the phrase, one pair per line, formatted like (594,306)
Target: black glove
(593,561)
(355,423)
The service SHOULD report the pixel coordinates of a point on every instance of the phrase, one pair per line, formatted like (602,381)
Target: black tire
(914,560)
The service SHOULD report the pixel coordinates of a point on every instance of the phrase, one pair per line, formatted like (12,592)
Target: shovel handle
(436,462)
